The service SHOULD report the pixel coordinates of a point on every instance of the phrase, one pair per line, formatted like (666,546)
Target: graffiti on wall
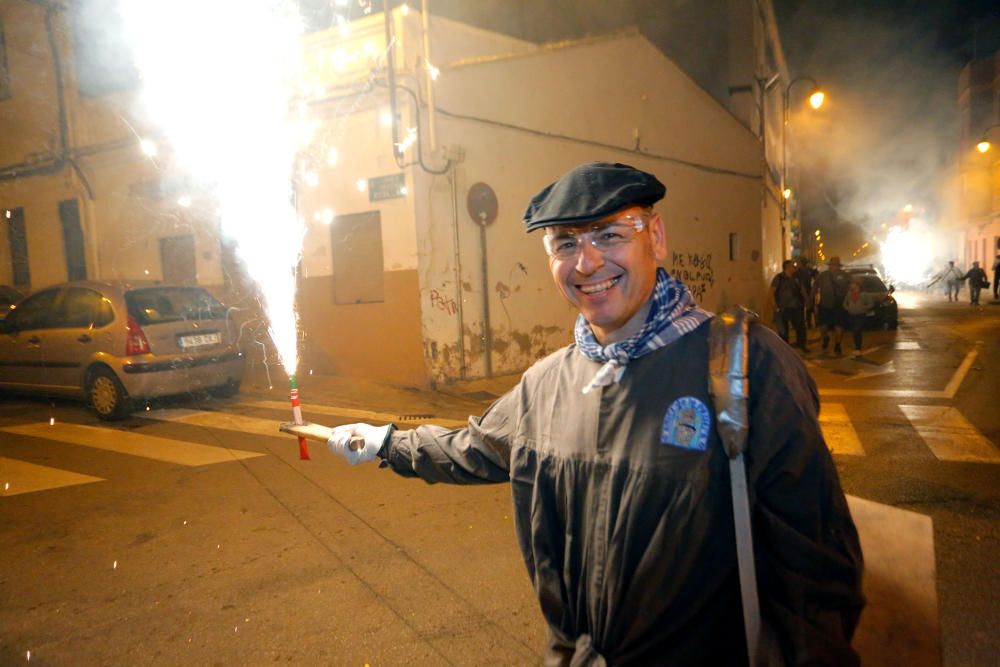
(694,270)
(443,303)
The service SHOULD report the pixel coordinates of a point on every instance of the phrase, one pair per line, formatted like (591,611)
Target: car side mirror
(892,288)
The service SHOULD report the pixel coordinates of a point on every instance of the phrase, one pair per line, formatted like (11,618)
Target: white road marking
(354,413)
(18,477)
(838,431)
(133,444)
(884,369)
(948,393)
(949,435)
(221,420)
(956,380)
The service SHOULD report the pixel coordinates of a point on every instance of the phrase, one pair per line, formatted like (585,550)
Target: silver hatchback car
(115,343)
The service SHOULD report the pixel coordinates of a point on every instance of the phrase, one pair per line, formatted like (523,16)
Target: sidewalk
(454,401)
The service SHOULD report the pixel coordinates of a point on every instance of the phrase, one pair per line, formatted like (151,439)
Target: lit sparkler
(223,103)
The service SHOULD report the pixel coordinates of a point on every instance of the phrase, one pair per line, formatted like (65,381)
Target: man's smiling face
(612,288)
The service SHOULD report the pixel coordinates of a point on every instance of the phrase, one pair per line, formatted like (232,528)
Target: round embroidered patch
(686,424)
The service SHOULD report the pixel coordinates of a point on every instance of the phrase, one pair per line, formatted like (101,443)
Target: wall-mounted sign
(482,203)
(386,187)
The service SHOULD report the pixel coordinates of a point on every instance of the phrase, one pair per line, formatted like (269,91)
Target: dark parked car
(116,342)
(8,297)
(886,312)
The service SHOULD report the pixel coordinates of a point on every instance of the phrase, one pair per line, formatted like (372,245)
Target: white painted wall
(602,92)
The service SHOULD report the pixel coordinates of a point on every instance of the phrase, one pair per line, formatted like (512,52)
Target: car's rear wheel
(107,395)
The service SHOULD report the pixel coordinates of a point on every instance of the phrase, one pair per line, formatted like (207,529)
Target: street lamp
(984,144)
(816,99)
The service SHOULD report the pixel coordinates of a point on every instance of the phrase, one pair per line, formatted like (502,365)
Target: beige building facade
(978,181)
(416,268)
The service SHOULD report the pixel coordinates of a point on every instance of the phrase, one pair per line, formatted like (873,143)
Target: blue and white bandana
(672,314)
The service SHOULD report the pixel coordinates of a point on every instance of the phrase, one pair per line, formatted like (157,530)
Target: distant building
(978,182)
(398,280)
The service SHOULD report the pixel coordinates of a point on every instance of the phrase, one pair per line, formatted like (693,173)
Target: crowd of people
(953,278)
(832,300)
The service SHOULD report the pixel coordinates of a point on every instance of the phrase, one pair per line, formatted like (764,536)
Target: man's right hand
(358,442)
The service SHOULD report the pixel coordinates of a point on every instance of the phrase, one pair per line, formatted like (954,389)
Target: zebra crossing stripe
(949,435)
(838,431)
(222,420)
(18,477)
(133,444)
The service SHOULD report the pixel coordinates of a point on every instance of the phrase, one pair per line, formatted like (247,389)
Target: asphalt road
(192,534)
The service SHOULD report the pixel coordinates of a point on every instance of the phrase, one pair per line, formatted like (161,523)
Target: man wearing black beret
(619,478)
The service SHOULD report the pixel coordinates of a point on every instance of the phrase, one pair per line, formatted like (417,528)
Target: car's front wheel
(107,395)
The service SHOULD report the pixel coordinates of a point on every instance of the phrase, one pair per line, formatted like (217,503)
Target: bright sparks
(148,147)
(240,62)
(907,254)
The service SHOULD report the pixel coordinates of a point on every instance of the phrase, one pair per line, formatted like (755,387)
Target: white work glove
(340,443)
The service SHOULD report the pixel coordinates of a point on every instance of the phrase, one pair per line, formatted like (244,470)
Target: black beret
(590,192)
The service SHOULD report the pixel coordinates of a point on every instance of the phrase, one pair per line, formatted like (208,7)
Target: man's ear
(658,237)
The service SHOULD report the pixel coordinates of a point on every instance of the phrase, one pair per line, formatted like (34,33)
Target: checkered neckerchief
(672,314)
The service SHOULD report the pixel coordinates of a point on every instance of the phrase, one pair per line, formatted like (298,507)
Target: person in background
(996,277)
(621,488)
(789,299)
(857,305)
(952,277)
(977,281)
(831,288)
(806,274)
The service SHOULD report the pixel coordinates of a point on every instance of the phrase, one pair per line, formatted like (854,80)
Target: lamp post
(815,101)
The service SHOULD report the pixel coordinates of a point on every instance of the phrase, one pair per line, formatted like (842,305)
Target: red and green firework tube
(297,417)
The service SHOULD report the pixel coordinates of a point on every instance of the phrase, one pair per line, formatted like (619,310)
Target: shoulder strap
(728,353)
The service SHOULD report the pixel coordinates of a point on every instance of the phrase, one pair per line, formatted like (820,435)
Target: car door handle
(84,338)
(34,340)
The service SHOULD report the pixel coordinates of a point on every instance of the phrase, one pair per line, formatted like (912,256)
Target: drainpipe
(428,81)
(390,64)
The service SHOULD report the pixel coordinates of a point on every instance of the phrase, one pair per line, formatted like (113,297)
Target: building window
(69,216)
(734,246)
(356,242)
(5,92)
(177,260)
(18,238)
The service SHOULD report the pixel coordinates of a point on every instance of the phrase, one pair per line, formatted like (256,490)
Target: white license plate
(198,340)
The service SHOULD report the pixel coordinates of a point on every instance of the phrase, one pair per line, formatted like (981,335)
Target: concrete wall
(631,95)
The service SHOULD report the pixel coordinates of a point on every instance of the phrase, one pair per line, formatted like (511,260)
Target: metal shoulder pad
(728,352)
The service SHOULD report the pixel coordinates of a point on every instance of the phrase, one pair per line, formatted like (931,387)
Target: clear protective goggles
(567,242)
